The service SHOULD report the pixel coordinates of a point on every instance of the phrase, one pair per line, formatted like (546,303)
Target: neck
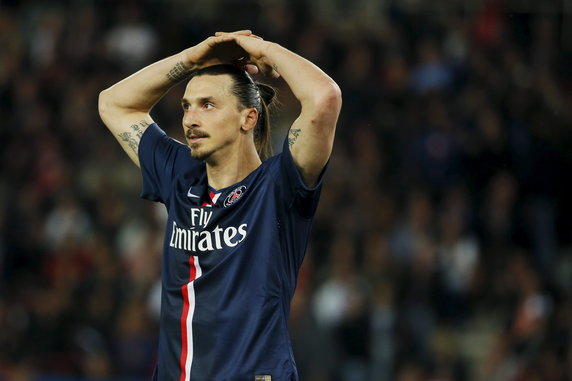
(227,168)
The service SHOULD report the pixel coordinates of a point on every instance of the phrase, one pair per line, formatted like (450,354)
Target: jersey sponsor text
(204,240)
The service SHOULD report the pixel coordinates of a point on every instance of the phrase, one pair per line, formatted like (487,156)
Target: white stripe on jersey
(189,321)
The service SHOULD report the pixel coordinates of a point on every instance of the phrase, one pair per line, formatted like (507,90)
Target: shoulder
(154,136)
(163,161)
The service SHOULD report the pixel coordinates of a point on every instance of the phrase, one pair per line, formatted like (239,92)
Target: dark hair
(249,94)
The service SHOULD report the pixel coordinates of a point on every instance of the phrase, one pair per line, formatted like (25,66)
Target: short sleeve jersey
(230,264)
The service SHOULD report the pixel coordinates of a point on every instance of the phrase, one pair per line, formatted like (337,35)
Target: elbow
(113,102)
(108,106)
(336,96)
(329,97)
(104,103)
(325,107)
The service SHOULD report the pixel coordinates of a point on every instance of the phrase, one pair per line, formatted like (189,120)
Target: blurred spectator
(442,247)
(131,42)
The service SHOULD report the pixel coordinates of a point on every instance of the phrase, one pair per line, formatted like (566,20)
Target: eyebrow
(200,100)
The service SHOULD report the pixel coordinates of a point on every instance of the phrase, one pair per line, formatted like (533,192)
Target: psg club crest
(234,196)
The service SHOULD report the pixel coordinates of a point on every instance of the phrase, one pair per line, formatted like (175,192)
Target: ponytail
(262,138)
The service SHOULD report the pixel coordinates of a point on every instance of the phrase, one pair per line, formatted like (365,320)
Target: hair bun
(268,93)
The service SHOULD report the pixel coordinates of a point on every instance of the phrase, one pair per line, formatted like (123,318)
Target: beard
(207,148)
(196,151)
(200,154)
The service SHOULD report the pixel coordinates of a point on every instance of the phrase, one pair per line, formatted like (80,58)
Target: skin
(217,130)
(125,107)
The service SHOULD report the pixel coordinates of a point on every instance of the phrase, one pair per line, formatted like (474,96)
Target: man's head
(222,104)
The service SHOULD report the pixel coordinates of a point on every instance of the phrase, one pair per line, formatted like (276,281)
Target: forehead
(209,86)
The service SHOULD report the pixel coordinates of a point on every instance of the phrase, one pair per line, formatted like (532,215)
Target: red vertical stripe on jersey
(185,316)
(211,200)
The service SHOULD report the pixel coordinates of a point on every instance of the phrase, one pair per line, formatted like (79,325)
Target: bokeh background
(442,246)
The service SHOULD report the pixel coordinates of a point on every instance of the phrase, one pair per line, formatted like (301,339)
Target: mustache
(193,134)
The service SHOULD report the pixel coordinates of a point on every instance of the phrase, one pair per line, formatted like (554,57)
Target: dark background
(442,245)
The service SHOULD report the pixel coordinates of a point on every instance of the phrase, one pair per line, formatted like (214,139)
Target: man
(238,226)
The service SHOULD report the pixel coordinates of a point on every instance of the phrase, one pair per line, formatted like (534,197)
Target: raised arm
(125,106)
(311,136)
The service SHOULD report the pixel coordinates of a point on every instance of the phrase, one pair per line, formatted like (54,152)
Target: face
(211,118)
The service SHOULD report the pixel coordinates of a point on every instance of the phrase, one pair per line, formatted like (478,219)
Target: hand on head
(255,47)
(241,48)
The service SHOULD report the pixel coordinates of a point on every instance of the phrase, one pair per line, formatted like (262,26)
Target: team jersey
(230,262)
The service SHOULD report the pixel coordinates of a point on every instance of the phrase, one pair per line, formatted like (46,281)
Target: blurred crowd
(442,246)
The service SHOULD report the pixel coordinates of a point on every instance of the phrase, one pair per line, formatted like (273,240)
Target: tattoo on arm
(138,131)
(292,136)
(179,72)
(126,137)
(139,128)
(133,141)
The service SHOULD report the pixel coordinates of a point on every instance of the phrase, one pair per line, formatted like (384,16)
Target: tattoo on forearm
(293,135)
(138,131)
(179,72)
(133,141)
(126,137)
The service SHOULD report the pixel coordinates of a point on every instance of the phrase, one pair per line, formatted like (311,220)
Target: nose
(190,119)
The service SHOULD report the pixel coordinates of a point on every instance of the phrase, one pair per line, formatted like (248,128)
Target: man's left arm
(311,136)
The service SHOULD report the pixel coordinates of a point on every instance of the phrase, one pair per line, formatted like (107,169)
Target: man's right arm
(125,107)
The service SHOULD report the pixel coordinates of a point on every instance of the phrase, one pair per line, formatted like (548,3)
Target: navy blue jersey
(230,263)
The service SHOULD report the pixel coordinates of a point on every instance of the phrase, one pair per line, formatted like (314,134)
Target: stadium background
(442,246)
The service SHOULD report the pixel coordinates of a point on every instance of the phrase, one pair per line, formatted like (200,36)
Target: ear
(248,119)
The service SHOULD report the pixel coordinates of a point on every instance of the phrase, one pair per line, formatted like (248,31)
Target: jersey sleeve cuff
(147,146)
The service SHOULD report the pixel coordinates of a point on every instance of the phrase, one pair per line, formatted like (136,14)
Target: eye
(185,106)
(208,106)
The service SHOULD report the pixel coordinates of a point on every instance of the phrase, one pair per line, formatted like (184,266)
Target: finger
(268,71)
(250,69)
(243,32)
(214,40)
(273,73)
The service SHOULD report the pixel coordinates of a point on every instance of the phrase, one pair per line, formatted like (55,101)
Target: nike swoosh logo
(189,194)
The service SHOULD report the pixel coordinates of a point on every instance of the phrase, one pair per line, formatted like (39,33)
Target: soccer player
(238,221)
